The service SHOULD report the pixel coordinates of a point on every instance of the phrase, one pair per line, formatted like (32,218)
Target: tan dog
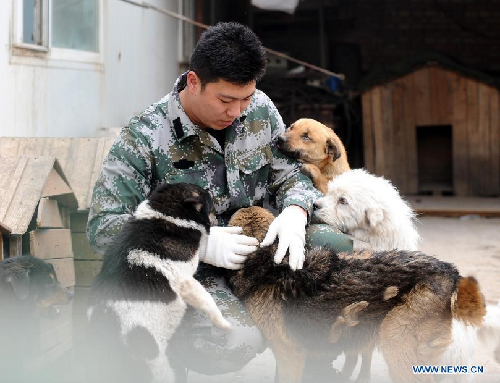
(417,308)
(318,148)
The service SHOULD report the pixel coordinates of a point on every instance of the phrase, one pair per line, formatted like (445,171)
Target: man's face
(219,103)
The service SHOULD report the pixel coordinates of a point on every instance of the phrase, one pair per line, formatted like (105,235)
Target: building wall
(47,95)
(433,96)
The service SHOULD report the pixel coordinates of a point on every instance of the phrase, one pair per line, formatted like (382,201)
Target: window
(74,25)
(70,28)
(34,17)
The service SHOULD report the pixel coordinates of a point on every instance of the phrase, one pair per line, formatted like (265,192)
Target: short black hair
(231,52)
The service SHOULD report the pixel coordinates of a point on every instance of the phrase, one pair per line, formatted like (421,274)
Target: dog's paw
(310,170)
(221,323)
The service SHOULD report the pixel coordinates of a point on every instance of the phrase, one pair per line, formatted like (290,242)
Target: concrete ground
(471,243)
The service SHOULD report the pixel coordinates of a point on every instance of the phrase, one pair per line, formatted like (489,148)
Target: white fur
(374,212)
(144,211)
(466,339)
(161,322)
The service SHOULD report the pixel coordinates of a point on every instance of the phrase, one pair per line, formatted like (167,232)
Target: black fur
(119,279)
(315,296)
(25,283)
(28,289)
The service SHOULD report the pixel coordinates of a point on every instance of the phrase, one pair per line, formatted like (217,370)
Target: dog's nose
(280,141)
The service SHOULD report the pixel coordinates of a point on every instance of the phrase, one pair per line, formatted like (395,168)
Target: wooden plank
(440,96)
(82,248)
(65,271)
(484,140)
(86,271)
(10,183)
(48,214)
(368,141)
(474,141)
(83,151)
(411,135)
(495,140)
(378,130)
(460,135)
(61,150)
(421,87)
(399,154)
(9,146)
(51,243)
(2,256)
(65,216)
(388,132)
(15,245)
(55,185)
(455,206)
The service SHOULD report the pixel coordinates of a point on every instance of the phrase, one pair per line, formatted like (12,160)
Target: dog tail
(469,305)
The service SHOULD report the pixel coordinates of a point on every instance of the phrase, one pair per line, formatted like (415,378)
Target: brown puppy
(318,148)
(406,301)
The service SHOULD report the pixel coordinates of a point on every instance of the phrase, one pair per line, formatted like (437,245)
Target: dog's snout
(280,140)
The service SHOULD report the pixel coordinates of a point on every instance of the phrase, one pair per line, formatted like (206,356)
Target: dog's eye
(305,136)
(290,127)
(342,201)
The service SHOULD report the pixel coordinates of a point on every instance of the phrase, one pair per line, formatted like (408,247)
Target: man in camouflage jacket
(214,129)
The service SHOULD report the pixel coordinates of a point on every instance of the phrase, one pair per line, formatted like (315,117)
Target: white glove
(226,247)
(290,227)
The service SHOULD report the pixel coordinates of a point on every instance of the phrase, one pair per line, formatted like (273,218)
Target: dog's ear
(195,202)
(374,216)
(332,149)
(20,283)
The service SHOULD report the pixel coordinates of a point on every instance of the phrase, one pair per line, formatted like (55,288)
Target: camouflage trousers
(201,347)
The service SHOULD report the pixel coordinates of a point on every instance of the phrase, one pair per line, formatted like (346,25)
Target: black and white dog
(138,300)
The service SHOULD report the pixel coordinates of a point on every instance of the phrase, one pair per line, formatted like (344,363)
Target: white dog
(370,209)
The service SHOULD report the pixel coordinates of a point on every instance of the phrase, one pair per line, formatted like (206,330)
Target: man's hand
(226,247)
(290,227)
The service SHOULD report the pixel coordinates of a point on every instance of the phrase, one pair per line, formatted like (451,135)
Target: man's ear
(374,216)
(20,283)
(332,149)
(193,81)
(194,202)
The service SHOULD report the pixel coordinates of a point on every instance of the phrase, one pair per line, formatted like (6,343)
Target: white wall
(66,97)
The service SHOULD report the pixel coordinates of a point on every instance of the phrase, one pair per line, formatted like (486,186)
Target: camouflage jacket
(162,144)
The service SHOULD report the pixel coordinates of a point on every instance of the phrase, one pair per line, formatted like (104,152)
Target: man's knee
(326,236)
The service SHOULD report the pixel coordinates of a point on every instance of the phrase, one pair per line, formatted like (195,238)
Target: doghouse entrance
(435,159)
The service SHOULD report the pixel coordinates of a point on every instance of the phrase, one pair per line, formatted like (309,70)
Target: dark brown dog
(318,148)
(28,290)
(403,300)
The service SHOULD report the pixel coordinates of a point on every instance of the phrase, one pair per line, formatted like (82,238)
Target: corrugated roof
(22,183)
(80,159)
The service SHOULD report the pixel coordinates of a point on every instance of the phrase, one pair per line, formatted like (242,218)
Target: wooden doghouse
(35,206)
(434,130)
(81,161)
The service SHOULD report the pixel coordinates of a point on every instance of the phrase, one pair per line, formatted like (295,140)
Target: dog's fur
(319,149)
(406,301)
(139,298)
(29,289)
(370,209)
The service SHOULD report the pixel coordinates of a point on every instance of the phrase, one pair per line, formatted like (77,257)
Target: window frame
(21,49)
